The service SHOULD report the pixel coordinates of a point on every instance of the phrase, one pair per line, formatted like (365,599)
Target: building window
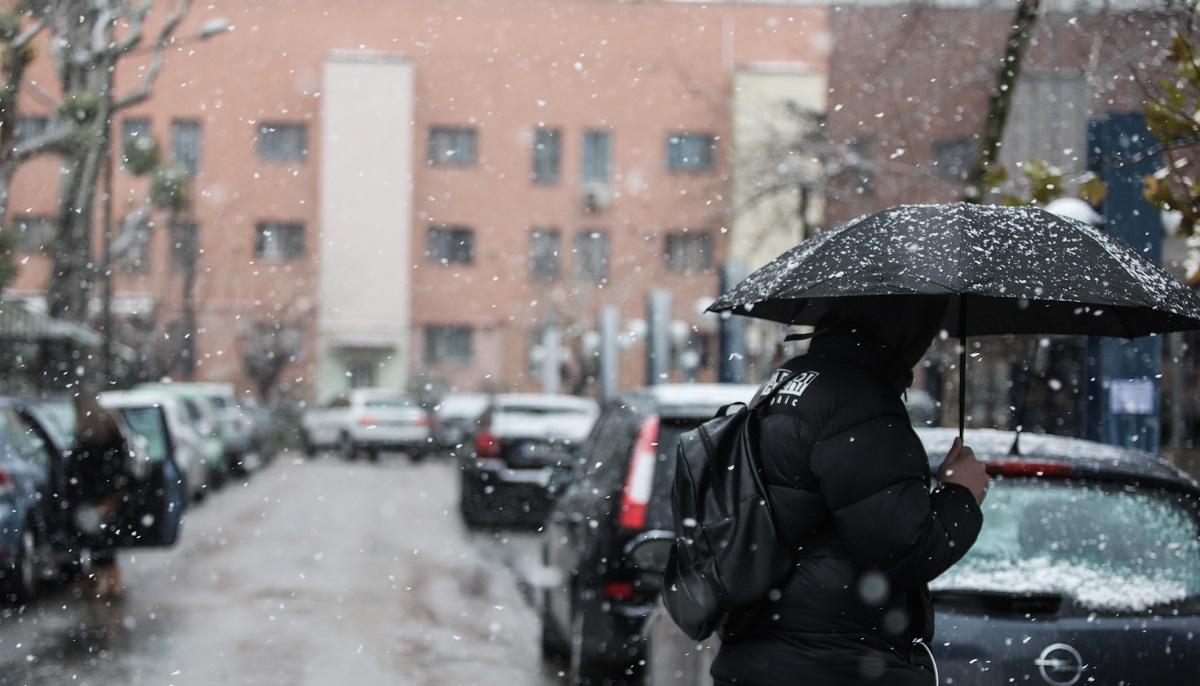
(450,244)
(544,248)
(691,152)
(34,234)
(282,142)
(448,345)
(361,372)
(279,241)
(597,156)
(591,255)
(688,251)
(30,127)
(184,245)
(185,145)
(547,156)
(952,158)
(452,145)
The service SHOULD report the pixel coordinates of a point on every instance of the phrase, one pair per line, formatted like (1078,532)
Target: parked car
(524,445)
(368,420)
(245,441)
(619,495)
(457,415)
(40,537)
(187,442)
(1087,571)
(204,415)
(35,532)
(56,411)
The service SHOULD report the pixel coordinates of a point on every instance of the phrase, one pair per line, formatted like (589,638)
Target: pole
(609,353)
(658,337)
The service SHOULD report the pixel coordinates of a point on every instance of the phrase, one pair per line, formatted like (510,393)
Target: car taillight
(618,590)
(1047,468)
(640,477)
(6,481)
(366,420)
(487,445)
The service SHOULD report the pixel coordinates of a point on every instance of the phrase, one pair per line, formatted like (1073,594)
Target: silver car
(368,420)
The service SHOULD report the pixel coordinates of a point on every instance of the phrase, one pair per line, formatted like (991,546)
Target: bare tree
(86,39)
(1008,73)
(268,348)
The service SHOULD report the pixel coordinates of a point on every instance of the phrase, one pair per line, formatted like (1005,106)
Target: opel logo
(1060,665)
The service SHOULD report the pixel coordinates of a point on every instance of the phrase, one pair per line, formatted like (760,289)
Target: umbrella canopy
(1012,270)
(1018,270)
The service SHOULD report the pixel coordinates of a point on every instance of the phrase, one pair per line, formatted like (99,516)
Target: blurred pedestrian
(850,486)
(100,477)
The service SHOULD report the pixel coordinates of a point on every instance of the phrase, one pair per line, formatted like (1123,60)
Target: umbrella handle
(962,364)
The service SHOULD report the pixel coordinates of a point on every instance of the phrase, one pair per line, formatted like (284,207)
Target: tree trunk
(1000,101)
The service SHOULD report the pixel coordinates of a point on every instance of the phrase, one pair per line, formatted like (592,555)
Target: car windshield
(1106,547)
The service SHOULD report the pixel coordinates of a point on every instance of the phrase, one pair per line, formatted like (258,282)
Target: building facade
(420,192)
(448,195)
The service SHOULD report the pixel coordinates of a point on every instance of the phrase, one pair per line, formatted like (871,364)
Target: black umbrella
(1012,270)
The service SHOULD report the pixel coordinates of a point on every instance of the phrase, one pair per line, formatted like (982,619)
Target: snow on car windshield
(1105,547)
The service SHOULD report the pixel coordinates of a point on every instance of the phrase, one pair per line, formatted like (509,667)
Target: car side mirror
(648,552)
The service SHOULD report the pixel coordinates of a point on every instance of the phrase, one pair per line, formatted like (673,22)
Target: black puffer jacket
(850,484)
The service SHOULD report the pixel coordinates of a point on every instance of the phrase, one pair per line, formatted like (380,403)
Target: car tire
(19,584)
(372,454)
(306,445)
(346,447)
(580,670)
(555,649)
(468,505)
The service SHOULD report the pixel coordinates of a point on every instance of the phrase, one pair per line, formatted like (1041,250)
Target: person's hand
(961,467)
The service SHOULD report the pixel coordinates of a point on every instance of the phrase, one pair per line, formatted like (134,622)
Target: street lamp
(210,28)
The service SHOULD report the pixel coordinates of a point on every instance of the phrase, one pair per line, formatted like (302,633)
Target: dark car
(523,444)
(41,536)
(1087,571)
(35,535)
(457,416)
(618,497)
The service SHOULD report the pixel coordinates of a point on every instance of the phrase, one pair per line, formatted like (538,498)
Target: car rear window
(390,403)
(1106,547)
(539,420)
(658,510)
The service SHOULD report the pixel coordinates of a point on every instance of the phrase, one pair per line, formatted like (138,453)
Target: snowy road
(312,573)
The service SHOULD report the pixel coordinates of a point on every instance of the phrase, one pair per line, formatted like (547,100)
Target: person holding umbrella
(846,475)
(849,482)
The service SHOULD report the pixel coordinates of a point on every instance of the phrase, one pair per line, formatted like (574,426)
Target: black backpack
(726,557)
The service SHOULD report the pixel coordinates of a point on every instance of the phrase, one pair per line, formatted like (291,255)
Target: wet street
(311,572)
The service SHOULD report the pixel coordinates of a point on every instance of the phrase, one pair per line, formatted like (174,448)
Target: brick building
(421,191)
(421,188)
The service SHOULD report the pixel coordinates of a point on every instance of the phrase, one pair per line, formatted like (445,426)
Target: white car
(187,440)
(368,420)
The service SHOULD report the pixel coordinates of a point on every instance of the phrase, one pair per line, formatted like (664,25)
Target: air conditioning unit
(595,197)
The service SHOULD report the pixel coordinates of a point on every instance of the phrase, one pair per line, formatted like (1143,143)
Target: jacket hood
(887,333)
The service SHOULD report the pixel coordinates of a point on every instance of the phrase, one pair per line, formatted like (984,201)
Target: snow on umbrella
(1012,270)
